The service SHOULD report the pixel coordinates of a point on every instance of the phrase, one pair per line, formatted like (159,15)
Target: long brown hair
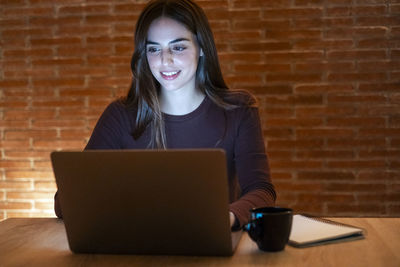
(143,95)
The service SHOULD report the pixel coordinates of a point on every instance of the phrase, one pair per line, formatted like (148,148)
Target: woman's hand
(232,218)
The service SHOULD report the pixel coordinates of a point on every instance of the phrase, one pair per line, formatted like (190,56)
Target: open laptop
(167,202)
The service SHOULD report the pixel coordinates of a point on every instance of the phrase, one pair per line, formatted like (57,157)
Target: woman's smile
(170,75)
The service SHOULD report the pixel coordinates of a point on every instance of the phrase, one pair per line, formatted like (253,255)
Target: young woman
(178,99)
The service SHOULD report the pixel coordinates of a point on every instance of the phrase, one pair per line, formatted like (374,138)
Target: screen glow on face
(172,53)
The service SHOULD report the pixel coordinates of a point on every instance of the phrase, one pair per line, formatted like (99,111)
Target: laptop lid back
(145,201)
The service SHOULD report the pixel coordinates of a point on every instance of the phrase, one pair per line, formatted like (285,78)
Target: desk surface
(42,242)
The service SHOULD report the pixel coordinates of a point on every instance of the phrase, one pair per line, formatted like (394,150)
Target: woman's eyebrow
(149,42)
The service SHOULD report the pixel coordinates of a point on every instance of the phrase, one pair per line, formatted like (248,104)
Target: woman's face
(173,54)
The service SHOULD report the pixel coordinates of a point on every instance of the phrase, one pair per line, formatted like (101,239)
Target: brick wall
(326,72)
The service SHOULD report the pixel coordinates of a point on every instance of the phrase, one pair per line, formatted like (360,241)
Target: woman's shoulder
(240,98)
(118,110)
(119,105)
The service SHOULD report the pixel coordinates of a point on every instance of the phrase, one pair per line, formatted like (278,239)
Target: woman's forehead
(165,30)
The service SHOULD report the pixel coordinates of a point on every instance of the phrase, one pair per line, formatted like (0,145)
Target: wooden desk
(42,242)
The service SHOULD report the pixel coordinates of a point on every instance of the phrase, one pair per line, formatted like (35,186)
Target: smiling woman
(178,99)
(173,54)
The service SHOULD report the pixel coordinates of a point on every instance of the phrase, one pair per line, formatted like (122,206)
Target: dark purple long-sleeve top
(237,131)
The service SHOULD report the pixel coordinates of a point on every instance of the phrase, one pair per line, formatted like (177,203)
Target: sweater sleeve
(251,167)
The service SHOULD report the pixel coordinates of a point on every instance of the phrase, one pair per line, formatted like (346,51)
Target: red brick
(107,19)
(304,122)
(274,154)
(15,205)
(57,103)
(357,76)
(79,30)
(15,185)
(59,144)
(237,35)
(280,34)
(325,111)
(265,46)
(339,98)
(277,112)
(356,121)
(294,56)
(14,124)
(261,24)
(378,20)
(373,175)
(326,198)
(356,143)
(81,133)
(42,164)
(357,164)
(352,209)
(37,72)
(92,72)
(293,12)
(270,89)
(281,175)
(325,176)
(325,132)
(322,88)
(240,57)
(28,175)
(259,3)
(18,114)
(44,205)
(52,21)
(51,63)
(298,186)
(12,164)
(379,87)
(295,144)
(22,134)
(323,44)
(30,195)
(61,82)
(13,83)
(325,67)
(13,144)
(269,68)
(67,10)
(367,154)
(49,124)
(26,153)
(378,110)
(13,104)
(77,50)
(359,187)
(356,54)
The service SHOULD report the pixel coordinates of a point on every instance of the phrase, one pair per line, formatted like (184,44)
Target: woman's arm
(252,167)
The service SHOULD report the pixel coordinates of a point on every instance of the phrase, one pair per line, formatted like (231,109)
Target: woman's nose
(166,57)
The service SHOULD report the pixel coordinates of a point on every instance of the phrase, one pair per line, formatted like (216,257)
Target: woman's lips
(170,75)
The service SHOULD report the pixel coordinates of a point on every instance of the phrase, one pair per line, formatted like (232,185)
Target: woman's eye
(152,50)
(179,48)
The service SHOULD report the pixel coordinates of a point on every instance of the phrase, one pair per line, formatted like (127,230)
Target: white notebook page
(305,229)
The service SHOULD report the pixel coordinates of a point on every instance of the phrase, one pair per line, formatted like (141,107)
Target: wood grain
(43,242)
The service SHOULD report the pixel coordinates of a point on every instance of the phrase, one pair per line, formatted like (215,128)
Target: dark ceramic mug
(270,227)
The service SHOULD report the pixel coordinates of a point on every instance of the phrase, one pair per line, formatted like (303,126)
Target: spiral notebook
(310,231)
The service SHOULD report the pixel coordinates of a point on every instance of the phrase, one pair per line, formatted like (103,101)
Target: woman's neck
(180,102)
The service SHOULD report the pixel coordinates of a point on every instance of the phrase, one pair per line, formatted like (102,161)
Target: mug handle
(254,229)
